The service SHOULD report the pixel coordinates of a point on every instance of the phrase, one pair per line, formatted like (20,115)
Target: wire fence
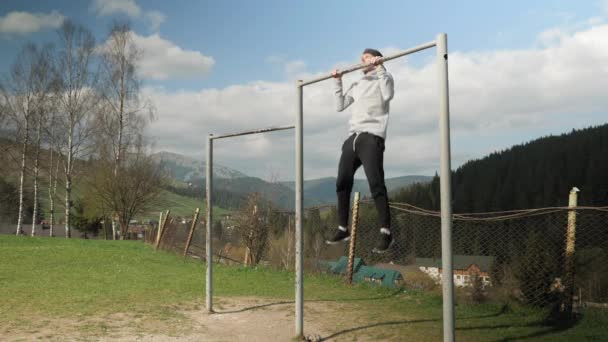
(506,257)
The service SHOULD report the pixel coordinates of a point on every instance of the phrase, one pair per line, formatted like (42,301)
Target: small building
(137,230)
(364,273)
(464,267)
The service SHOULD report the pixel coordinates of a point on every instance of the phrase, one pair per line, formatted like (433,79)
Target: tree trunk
(51,197)
(124,230)
(118,153)
(113,229)
(105,228)
(22,177)
(51,215)
(68,178)
(52,192)
(68,205)
(120,133)
(36,170)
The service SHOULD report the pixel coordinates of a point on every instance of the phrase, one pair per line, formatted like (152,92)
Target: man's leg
(370,149)
(349,163)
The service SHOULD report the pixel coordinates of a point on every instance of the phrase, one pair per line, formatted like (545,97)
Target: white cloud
(292,69)
(155,18)
(20,23)
(129,8)
(492,94)
(109,7)
(295,67)
(162,59)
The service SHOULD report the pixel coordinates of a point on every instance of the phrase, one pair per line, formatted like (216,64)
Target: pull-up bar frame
(209,213)
(445,184)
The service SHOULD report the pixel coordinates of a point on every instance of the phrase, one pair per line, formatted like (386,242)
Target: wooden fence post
(570,248)
(192,227)
(162,229)
(353,239)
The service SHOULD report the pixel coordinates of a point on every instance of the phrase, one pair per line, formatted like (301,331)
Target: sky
(518,70)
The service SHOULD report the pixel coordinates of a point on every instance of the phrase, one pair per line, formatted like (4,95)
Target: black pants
(368,150)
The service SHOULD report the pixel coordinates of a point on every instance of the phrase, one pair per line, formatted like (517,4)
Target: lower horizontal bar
(253,131)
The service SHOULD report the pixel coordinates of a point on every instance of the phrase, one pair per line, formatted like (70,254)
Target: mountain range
(316,191)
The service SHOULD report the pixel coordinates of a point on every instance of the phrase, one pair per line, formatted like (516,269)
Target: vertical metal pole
(208,237)
(570,246)
(446,189)
(299,211)
(353,240)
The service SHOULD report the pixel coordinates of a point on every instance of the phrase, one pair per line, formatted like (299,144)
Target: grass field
(49,281)
(182,206)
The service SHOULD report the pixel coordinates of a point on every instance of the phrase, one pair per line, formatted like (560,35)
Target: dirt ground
(236,319)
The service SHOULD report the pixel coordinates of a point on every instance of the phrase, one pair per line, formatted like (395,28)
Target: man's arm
(387,85)
(343,100)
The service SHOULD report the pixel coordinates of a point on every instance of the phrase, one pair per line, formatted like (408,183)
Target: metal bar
(445,189)
(208,237)
(299,267)
(353,239)
(253,131)
(361,65)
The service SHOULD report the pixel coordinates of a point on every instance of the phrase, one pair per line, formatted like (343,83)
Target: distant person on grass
(369,100)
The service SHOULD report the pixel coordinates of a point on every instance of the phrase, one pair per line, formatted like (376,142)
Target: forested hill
(535,174)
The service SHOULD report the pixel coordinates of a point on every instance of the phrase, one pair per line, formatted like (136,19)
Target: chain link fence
(516,256)
(505,257)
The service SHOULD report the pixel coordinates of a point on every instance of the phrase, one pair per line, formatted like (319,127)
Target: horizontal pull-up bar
(363,65)
(253,131)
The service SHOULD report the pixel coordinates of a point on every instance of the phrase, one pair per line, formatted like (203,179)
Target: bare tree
(286,246)
(251,223)
(76,102)
(123,113)
(45,86)
(122,116)
(52,169)
(137,191)
(39,119)
(24,95)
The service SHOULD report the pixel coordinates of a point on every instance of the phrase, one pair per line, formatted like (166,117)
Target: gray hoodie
(369,97)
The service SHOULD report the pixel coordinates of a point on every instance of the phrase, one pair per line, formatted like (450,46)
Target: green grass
(182,206)
(51,278)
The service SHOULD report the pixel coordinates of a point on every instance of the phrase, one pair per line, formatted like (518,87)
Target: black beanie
(372,52)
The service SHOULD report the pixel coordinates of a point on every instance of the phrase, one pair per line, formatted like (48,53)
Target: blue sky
(259,47)
(242,35)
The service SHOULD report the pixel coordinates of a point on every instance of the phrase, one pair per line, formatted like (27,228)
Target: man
(369,100)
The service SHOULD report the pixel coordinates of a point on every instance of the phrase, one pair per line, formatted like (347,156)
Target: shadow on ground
(392,294)
(546,329)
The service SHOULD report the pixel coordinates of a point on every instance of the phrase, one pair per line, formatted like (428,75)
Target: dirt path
(236,319)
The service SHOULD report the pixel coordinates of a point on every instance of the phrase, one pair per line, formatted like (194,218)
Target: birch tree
(123,112)
(123,116)
(45,83)
(76,102)
(24,94)
(53,164)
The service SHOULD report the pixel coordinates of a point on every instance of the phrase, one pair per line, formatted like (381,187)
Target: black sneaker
(340,236)
(384,243)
